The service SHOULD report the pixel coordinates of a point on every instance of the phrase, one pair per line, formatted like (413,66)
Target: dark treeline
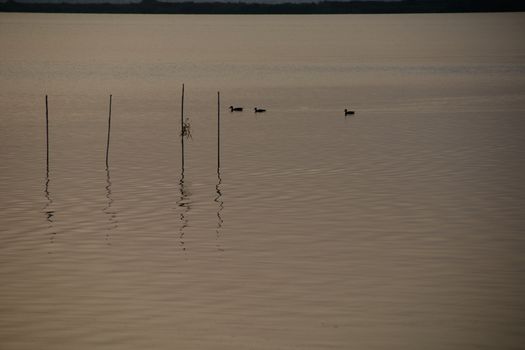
(323,7)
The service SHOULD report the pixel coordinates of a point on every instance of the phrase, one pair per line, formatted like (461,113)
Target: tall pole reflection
(184,204)
(48,210)
(220,207)
(112,214)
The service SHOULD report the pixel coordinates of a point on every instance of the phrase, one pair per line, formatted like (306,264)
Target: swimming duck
(235,109)
(347,112)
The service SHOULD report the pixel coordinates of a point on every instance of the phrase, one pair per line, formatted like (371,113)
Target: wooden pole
(182,127)
(218,130)
(109,133)
(47,137)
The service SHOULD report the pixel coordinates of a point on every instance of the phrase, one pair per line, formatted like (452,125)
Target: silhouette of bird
(347,112)
(235,109)
(259,110)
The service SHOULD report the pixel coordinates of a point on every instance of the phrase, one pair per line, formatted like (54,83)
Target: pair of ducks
(239,109)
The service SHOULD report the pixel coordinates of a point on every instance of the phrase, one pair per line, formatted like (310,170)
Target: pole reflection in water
(184,204)
(220,207)
(112,214)
(48,211)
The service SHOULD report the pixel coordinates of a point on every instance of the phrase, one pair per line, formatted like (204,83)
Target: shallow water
(398,228)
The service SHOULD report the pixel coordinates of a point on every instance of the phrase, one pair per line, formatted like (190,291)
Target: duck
(259,110)
(235,109)
(347,112)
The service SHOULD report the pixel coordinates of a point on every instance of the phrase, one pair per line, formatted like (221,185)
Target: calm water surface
(398,228)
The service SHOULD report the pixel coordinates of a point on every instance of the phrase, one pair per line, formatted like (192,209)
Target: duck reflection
(220,207)
(112,214)
(184,204)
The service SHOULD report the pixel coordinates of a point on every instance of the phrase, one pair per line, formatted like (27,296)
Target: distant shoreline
(323,7)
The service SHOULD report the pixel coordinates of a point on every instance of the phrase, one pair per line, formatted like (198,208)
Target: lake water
(401,227)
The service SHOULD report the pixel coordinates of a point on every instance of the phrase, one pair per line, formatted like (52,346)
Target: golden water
(398,228)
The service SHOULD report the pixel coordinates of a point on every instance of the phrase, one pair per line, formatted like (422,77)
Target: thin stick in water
(218,130)
(182,127)
(47,137)
(109,133)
